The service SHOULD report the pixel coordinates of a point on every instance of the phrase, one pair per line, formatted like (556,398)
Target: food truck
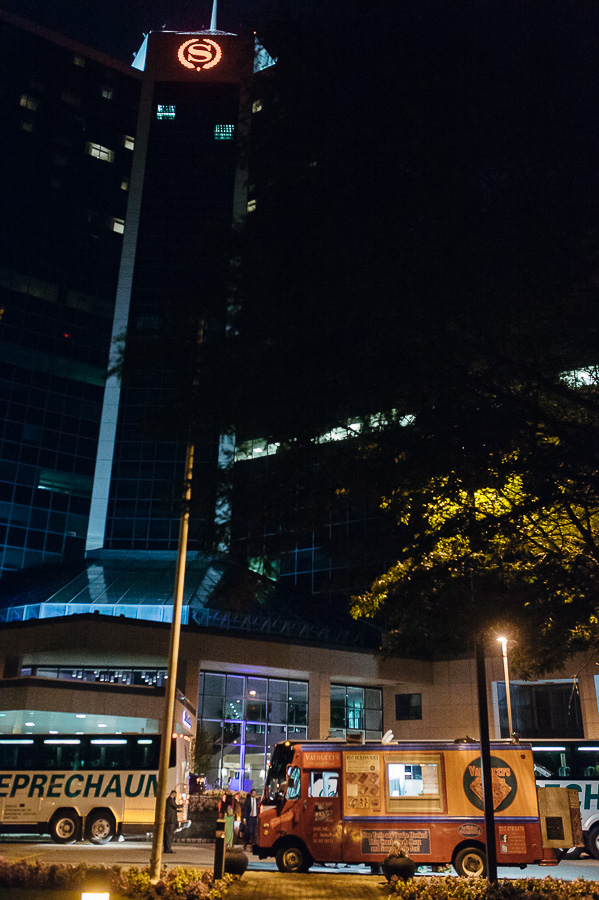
(340,802)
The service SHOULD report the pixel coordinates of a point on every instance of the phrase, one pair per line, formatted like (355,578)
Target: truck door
(322,816)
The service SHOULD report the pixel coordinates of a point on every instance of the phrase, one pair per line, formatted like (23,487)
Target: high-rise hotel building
(68,122)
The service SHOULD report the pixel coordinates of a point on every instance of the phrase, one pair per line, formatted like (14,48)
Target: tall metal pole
(508,693)
(485,758)
(171,686)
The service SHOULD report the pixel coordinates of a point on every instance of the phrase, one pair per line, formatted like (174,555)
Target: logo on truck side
(503,781)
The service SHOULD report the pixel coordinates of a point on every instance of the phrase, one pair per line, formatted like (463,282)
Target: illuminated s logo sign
(199,54)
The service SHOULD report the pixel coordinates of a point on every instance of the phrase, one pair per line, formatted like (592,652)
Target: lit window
(107,92)
(124,184)
(29,102)
(26,125)
(118,225)
(256,106)
(99,151)
(129,142)
(164,111)
(251,205)
(79,60)
(71,99)
(223,132)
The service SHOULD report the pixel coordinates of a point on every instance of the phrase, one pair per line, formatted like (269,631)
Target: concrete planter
(236,862)
(402,866)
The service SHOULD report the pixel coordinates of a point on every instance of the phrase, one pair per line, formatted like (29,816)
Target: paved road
(262,881)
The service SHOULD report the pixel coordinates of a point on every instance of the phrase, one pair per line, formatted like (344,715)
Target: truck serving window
(413,782)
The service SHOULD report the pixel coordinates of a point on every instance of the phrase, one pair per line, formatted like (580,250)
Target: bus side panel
(588,795)
(139,802)
(19,811)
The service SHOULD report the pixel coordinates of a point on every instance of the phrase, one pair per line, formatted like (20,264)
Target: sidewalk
(311,886)
(262,882)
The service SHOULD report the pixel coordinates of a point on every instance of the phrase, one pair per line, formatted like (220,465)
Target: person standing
(226,811)
(171,820)
(249,815)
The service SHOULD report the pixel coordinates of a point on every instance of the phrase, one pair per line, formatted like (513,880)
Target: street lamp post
(171,685)
(508,696)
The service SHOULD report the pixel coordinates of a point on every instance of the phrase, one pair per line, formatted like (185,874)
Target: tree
(203,751)
(499,531)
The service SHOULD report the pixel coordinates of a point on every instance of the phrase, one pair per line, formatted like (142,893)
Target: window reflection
(245,716)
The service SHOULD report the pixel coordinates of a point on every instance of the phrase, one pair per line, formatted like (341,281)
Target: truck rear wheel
(293,859)
(471,862)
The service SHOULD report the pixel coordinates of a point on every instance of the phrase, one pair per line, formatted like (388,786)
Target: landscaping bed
(451,888)
(40,881)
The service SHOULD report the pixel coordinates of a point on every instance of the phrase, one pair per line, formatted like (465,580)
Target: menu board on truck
(362,783)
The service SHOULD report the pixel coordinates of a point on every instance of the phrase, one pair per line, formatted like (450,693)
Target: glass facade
(242,717)
(180,274)
(141,677)
(356,709)
(543,710)
(59,261)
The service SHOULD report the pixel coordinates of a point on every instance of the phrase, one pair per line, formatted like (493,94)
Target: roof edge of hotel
(69,44)
(189,628)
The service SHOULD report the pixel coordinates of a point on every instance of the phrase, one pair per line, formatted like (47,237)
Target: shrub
(175,884)
(479,889)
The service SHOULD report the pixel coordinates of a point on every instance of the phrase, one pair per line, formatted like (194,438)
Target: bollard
(219,850)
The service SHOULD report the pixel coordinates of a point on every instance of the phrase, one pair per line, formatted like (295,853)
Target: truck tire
(65,827)
(100,827)
(471,862)
(293,859)
(591,840)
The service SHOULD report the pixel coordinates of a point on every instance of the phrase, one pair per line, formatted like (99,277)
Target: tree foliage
(498,532)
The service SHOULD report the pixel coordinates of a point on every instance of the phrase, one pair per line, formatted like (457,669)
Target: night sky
(117,27)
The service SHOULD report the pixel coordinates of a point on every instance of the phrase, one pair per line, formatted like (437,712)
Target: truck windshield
(277,772)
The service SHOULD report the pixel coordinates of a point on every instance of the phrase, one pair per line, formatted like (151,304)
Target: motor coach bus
(338,802)
(573,764)
(87,786)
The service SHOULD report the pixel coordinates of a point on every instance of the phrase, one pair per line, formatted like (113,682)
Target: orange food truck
(338,802)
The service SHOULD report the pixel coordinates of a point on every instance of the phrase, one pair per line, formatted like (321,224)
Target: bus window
(15,751)
(323,784)
(550,760)
(61,753)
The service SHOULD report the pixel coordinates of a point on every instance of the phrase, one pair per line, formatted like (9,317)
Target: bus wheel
(100,827)
(471,862)
(64,827)
(293,859)
(591,840)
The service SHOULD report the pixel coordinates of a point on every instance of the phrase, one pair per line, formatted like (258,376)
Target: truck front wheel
(471,862)
(293,859)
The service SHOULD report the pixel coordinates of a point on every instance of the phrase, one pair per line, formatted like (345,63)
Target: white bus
(87,786)
(573,763)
